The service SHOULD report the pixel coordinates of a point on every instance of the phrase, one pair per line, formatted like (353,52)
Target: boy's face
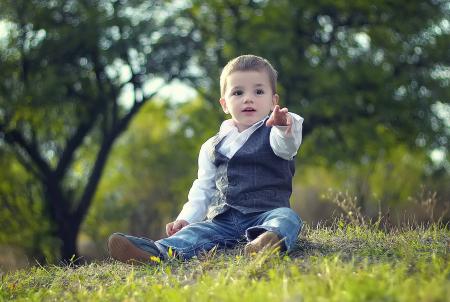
(248,97)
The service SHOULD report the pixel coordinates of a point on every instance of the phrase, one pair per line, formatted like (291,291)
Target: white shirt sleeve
(286,145)
(202,189)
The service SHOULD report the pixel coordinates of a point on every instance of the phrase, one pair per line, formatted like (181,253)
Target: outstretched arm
(199,195)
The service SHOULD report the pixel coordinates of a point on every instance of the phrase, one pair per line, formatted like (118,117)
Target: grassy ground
(349,262)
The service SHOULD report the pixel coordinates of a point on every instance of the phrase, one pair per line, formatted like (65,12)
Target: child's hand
(279,117)
(175,226)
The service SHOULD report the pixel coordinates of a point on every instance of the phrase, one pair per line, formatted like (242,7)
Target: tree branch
(26,164)
(102,156)
(14,137)
(72,145)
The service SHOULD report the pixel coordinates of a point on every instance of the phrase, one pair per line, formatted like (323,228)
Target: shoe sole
(121,249)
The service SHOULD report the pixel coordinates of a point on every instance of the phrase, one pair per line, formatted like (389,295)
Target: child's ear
(223,103)
(275,99)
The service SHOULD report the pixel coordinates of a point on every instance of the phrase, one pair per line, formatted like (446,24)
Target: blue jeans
(231,227)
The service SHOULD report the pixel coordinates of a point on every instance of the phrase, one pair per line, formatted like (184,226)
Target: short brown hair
(248,63)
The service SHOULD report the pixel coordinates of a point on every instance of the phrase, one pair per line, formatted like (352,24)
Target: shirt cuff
(190,214)
(282,130)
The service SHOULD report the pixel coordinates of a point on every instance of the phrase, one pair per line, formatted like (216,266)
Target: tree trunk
(67,232)
(65,224)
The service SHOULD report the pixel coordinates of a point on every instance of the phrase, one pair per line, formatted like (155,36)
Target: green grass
(344,263)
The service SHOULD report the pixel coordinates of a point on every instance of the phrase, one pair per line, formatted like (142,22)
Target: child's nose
(248,99)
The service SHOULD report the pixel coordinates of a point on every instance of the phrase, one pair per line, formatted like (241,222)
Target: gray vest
(254,179)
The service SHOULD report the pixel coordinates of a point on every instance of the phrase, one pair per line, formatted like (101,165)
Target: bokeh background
(104,106)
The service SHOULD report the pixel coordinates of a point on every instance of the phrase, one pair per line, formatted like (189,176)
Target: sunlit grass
(346,262)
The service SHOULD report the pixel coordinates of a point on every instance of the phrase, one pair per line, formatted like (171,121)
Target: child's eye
(259,91)
(237,92)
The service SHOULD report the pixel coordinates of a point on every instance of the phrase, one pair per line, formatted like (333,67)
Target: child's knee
(287,212)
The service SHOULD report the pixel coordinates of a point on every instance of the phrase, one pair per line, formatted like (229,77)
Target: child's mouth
(248,110)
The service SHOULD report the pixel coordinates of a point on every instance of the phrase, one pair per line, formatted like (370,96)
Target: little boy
(244,176)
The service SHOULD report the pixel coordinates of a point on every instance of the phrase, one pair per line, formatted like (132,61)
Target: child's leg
(203,236)
(186,243)
(278,225)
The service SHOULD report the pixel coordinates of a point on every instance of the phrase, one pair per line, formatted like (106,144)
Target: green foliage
(365,76)
(23,222)
(396,186)
(349,263)
(68,64)
(391,178)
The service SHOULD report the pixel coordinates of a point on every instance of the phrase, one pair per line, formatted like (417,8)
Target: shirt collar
(228,127)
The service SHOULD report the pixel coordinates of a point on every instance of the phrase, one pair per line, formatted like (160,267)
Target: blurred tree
(150,170)
(74,74)
(355,70)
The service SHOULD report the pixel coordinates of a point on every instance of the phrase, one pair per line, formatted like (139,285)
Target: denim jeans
(225,231)
(231,227)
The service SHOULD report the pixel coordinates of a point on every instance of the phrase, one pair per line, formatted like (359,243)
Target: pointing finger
(169,229)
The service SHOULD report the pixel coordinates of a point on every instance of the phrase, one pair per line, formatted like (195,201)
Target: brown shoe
(122,249)
(265,241)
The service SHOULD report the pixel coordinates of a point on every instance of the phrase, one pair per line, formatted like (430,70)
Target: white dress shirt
(284,144)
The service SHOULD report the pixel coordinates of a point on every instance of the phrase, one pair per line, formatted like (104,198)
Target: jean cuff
(163,250)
